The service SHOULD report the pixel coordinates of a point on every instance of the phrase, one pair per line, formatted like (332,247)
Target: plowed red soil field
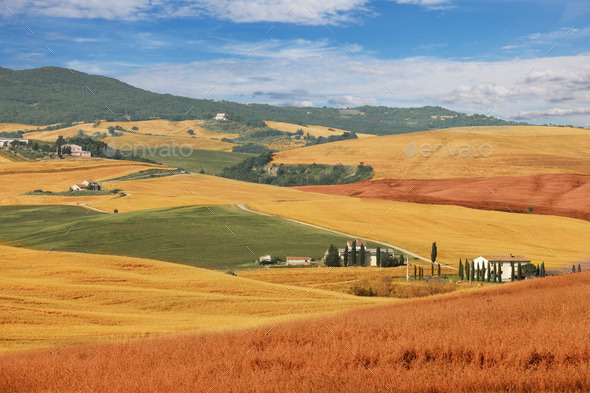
(555,194)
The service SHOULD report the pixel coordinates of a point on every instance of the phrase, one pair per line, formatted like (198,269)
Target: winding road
(243,207)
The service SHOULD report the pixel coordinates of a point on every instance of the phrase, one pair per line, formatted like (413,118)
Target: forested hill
(52,95)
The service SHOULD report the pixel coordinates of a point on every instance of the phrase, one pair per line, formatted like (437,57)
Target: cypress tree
(472,268)
(573,268)
(489,272)
(511,271)
(362,255)
(346,256)
(579,268)
(519,271)
(477,272)
(415,272)
(483,272)
(467,272)
(543,269)
(438,269)
(432,269)
(500,272)
(538,271)
(460,269)
(433,253)
(379,256)
(353,255)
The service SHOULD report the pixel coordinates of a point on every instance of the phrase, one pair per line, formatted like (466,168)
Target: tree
(579,268)
(362,255)
(438,269)
(415,269)
(60,141)
(433,253)
(499,272)
(489,272)
(573,268)
(353,255)
(511,271)
(472,268)
(478,272)
(460,269)
(538,271)
(519,271)
(333,258)
(191,132)
(467,272)
(432,269)
(346,256)
(543,269)
(378,256)
(483,272)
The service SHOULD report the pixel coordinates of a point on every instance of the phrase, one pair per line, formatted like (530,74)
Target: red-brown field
(555,194)
(532,336)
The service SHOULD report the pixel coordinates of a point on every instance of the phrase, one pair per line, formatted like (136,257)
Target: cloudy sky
(515,59)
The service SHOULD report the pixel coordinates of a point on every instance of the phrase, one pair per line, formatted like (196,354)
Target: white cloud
(307,12)
(350,101)
(322,74)
(553,112)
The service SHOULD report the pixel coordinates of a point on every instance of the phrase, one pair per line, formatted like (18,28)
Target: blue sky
(520,59)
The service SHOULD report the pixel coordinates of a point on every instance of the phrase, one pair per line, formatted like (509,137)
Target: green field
(219,238)
(212,162)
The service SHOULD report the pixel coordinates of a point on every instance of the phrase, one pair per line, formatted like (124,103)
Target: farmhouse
(264,259)
(298,261)
(76,150)
(86,185)
(220,116)
(7,141)
(370,253)
(505,262)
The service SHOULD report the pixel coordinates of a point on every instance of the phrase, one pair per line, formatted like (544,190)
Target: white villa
(85,185)
(76,150)
(220,116)
(505,262)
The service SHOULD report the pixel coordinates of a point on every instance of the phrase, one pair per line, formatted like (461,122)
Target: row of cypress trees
(471,271)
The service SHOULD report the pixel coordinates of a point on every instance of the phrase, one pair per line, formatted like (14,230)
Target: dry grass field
(57,298)
(517,151)
(195,189)
(459,232)
(531,336)
(334,279)
(149,133)
(7,127)
(316,131)
(58,175)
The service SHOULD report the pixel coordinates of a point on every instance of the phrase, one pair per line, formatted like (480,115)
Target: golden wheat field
(529,336)
(316,131)
(149,133)
(511,151)
(58,298)
(17,178)
(194,189)
(459,232)
(7,127)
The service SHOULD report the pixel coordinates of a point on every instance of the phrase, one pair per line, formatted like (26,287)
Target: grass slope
(57,298)
(524,337)
(216,237)
(212,162)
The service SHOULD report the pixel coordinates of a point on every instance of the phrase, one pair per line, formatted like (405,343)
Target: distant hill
(52,95)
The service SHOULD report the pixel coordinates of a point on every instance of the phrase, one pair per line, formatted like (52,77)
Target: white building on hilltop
(220,116)
(505,263)
(76,150)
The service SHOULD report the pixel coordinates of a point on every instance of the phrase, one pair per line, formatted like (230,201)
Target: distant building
(370,253)
(7,141)
(298,261)
(505,262)
(264,259)
(86,185)
(76,150)
(220,116)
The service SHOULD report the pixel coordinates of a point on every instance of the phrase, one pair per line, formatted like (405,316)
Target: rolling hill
(51,95)
(526,337)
